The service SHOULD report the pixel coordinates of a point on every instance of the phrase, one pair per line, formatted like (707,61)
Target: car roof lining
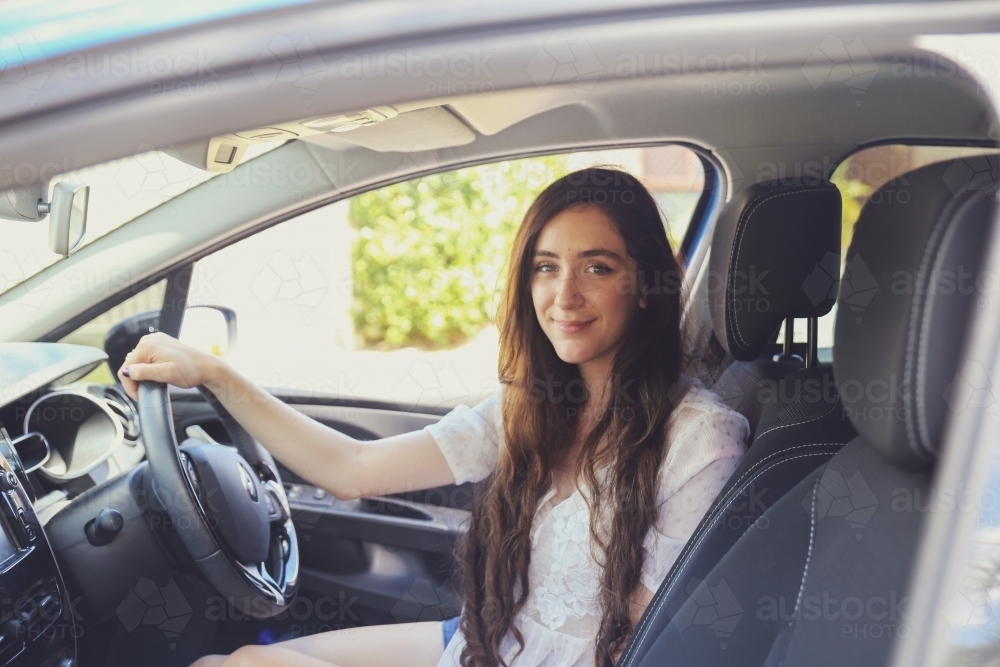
(749,139)
(80,119)
(790,125)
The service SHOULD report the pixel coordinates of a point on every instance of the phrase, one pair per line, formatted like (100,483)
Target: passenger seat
(822,578)
(768,246)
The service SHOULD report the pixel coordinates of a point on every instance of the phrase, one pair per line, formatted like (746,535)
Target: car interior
(116,559)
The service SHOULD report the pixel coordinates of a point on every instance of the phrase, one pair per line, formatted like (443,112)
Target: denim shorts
(448,628)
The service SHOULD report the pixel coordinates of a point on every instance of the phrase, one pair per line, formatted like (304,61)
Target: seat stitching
(775,428)
(735,489)
(812,536)
(658,600)
(911,331)
(921,418)
(771,456)
(741,226)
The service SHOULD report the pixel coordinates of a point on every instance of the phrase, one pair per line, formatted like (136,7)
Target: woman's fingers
(160,358)
(145,362)
(133,373)
(164,372)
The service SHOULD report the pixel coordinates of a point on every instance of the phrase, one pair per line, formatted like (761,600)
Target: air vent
(124,409)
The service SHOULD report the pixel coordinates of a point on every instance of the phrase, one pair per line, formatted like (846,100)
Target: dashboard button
(8,481)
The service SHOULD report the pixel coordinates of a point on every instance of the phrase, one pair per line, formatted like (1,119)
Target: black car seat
(769,243)
(775,256)
(821,578)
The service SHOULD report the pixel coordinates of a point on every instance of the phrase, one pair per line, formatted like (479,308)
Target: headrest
(911,280)
(775,254)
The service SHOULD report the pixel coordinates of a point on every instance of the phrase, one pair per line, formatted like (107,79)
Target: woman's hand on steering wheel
(160,357)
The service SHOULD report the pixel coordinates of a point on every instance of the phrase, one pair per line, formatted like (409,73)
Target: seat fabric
(800,429)
(822,576)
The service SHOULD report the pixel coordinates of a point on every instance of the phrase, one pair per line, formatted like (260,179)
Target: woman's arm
(346,467)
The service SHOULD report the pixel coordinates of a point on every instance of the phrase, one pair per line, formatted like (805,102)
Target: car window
(391,295)
(92,333)
(859,178)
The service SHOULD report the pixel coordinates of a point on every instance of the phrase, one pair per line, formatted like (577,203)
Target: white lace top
(561,616)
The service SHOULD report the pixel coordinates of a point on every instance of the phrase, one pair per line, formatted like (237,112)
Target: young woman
(597,458)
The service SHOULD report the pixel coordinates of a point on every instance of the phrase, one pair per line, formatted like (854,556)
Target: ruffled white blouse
(562,613)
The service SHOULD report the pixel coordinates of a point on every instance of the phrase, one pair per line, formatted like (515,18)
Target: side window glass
(391,295)
(92,333)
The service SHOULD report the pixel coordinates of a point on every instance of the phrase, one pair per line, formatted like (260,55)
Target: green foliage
(430,253)
(854,194)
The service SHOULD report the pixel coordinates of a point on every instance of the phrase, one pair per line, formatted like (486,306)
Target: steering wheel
(228,507)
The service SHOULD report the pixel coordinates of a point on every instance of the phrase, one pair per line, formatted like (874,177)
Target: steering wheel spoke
(226,504)
(259,577)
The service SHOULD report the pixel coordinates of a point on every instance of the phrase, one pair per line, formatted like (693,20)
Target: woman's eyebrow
(596,252)
(601,252)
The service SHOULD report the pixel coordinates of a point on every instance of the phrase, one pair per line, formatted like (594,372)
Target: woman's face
(583,285)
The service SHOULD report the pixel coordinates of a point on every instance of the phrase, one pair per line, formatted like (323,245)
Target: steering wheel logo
(247,482)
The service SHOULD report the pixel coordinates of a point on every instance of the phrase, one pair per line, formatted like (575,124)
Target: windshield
(120,191)
(36,30)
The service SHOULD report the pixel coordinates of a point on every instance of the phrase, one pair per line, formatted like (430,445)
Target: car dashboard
(57,439)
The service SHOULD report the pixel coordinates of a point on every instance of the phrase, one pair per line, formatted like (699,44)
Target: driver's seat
(822,577)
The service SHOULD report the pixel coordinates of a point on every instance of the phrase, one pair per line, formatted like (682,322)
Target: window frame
(704,208)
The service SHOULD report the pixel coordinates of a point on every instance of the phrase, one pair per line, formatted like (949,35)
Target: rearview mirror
(68,221)
(67,210)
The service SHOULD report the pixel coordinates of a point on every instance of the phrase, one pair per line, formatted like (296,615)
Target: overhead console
(222,154)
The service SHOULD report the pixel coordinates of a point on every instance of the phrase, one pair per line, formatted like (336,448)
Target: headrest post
(812,333)
(789,336)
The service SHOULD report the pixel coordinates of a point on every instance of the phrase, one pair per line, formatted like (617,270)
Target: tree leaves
(430,253)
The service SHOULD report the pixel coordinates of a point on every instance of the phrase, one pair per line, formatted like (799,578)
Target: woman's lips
(572,326)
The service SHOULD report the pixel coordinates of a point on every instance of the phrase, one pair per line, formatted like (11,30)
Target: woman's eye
(544,267)
(600,269)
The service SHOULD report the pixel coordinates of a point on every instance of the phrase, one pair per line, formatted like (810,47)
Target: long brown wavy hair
(541,415)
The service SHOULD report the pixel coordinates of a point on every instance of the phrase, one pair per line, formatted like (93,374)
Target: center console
(36,620)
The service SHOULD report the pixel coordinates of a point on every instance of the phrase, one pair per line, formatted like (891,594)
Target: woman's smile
(573,326)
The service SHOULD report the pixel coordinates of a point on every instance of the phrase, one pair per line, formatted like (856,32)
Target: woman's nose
(567,291)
